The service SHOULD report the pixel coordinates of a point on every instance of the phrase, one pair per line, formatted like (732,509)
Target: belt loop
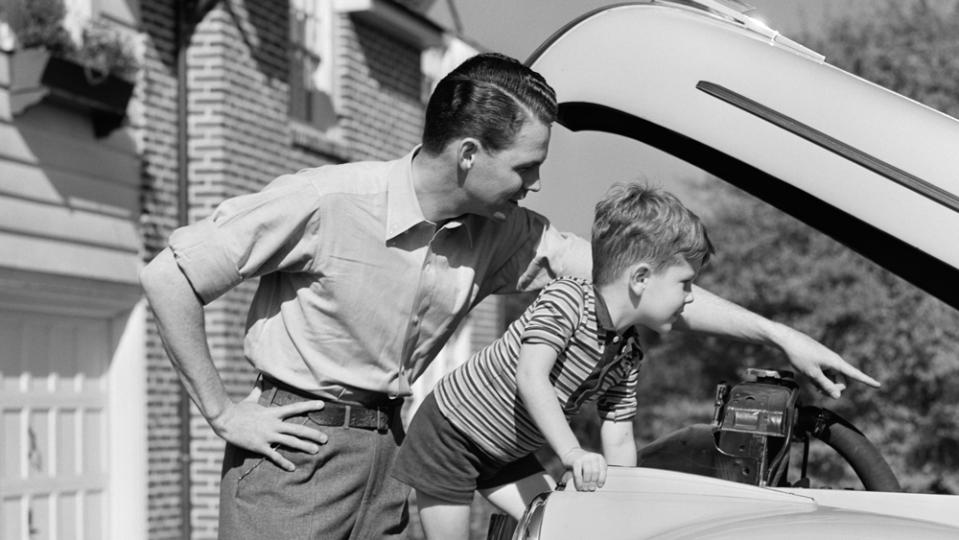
(268,389)
(346,416)
(383,421)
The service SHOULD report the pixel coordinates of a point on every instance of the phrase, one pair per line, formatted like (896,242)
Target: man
(365,271)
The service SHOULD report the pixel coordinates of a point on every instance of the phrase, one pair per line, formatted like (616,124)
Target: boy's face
(497,181)
(666,293)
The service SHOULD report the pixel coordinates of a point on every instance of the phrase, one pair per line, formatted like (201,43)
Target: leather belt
(379,417)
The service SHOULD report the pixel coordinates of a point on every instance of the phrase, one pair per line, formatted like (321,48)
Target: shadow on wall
(76,170)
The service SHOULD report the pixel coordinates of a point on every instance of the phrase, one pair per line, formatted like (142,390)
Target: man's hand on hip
(260,429)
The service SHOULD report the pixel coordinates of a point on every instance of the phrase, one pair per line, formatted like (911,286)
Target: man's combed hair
(635,223)
(489,97)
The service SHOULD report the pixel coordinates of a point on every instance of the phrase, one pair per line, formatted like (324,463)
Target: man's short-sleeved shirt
(594,363)
(358,292)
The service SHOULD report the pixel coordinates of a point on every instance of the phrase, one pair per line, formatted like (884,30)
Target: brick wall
(240,139)
(381,85)
(159,178)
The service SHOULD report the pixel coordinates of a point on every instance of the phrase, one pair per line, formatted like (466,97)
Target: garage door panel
(11,467)
(53,474)
(94,508)
(36,364)
(67,448)
(92,355)
(13,514)
(94,453)
(38,443)
(39,518)
(67,517)
(11,359)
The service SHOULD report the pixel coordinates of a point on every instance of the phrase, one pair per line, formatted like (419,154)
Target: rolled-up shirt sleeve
(619,402)
(541,253)
(557,254)
(248,236)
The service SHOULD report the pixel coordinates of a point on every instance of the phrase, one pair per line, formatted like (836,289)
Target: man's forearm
(711,314)
(180,320)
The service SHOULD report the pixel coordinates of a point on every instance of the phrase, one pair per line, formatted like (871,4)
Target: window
(311,63)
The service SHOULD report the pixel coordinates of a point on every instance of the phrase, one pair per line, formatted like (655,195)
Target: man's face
(666,293)
(496,181)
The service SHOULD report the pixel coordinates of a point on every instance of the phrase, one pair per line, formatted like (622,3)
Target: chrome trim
(530,527)
(853,154)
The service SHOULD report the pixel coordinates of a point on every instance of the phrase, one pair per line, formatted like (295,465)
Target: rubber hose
(856,449)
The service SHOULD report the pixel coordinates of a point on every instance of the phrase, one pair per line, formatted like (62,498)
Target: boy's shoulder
(571,282)
(573,290)
(575,284)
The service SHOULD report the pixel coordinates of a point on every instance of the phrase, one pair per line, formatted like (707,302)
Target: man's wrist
(774,334)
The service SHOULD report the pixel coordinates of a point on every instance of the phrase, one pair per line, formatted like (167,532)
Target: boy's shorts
(439,460)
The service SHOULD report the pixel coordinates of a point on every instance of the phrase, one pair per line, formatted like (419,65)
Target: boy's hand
(589,469)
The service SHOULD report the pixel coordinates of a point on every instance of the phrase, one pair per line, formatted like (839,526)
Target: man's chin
(664,328)
(503,211)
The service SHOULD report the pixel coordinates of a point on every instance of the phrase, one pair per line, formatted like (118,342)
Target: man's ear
(638,277)
(466,153)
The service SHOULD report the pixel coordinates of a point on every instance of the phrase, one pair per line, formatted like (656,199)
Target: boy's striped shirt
(593,364)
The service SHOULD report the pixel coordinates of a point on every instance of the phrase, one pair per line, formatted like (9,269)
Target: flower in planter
(38,23)
(106,52)
(102,48)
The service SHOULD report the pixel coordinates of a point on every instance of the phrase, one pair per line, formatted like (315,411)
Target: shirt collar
(602,312)
(604,319)
(403,210)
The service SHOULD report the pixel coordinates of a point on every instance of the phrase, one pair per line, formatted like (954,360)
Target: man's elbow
(160,275)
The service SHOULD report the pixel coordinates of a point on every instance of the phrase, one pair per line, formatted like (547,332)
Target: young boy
(576,344)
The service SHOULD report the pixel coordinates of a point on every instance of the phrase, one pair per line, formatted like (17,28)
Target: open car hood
(869,167)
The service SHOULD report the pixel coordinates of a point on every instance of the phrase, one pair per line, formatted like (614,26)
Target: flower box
(34,75)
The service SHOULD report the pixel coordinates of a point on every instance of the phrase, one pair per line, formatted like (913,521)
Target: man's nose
(532,183)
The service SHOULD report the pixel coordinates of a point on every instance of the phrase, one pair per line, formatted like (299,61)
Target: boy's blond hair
(635,223)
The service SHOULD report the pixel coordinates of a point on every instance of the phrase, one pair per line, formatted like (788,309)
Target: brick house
(96,442)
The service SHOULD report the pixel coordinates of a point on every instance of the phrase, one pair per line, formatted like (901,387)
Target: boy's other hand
(588,468)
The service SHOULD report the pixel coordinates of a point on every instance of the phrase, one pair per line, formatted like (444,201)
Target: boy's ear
(638,276)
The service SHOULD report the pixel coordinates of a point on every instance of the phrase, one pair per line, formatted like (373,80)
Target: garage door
(53,400)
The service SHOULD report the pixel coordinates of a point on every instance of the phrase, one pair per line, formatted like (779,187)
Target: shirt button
(615,339)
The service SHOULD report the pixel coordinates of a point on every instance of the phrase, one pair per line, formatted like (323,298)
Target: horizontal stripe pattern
(481,398)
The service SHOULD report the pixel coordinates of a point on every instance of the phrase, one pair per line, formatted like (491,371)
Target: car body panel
(848,155)
(638,502)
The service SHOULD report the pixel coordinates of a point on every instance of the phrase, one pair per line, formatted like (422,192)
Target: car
(703,81)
